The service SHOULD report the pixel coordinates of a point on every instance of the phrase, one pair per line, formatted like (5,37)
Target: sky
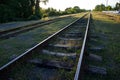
(83,4)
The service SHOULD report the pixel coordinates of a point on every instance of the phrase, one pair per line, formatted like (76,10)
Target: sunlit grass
(111,54)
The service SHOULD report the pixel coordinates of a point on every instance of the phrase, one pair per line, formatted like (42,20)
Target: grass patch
(111,55)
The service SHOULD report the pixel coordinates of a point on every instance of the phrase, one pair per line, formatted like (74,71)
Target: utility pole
(119,7)
(106,3)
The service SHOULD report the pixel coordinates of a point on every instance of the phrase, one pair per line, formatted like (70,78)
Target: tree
(76,9)
(16,9)
(99,7)
(11,10)
(108,8)
(25,7)
(69,10)
(117,6)
(52,12)
(37,7)
(5,13)
(102,7)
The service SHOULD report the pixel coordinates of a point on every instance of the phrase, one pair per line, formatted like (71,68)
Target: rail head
(33,48)
(78,70)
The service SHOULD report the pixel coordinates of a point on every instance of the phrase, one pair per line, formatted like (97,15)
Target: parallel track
(7,68)
(15,31)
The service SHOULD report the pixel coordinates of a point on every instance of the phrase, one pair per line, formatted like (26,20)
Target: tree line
(102,7)
(16,10)
(13,10)
(54,12)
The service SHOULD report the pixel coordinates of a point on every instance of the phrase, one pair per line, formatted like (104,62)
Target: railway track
(61,56)
(87,55)
(5,34)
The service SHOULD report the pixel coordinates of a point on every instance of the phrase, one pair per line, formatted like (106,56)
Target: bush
(33,17)
(45,15)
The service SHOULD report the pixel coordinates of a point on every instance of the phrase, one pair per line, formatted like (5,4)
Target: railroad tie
(59,54)
(97,48)
(94,57)
(97,70)
(51,64)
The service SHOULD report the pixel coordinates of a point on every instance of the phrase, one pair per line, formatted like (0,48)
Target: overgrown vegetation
(111,54)
(14,10)
(54,12)
(17,10)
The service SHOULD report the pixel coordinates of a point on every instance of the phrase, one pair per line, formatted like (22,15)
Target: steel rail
(78,70)
(4,67)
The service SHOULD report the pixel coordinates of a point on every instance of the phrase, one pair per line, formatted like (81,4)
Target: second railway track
(5,34)
(59,57)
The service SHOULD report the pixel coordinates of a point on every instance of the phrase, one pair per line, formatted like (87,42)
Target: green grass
(111,53)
